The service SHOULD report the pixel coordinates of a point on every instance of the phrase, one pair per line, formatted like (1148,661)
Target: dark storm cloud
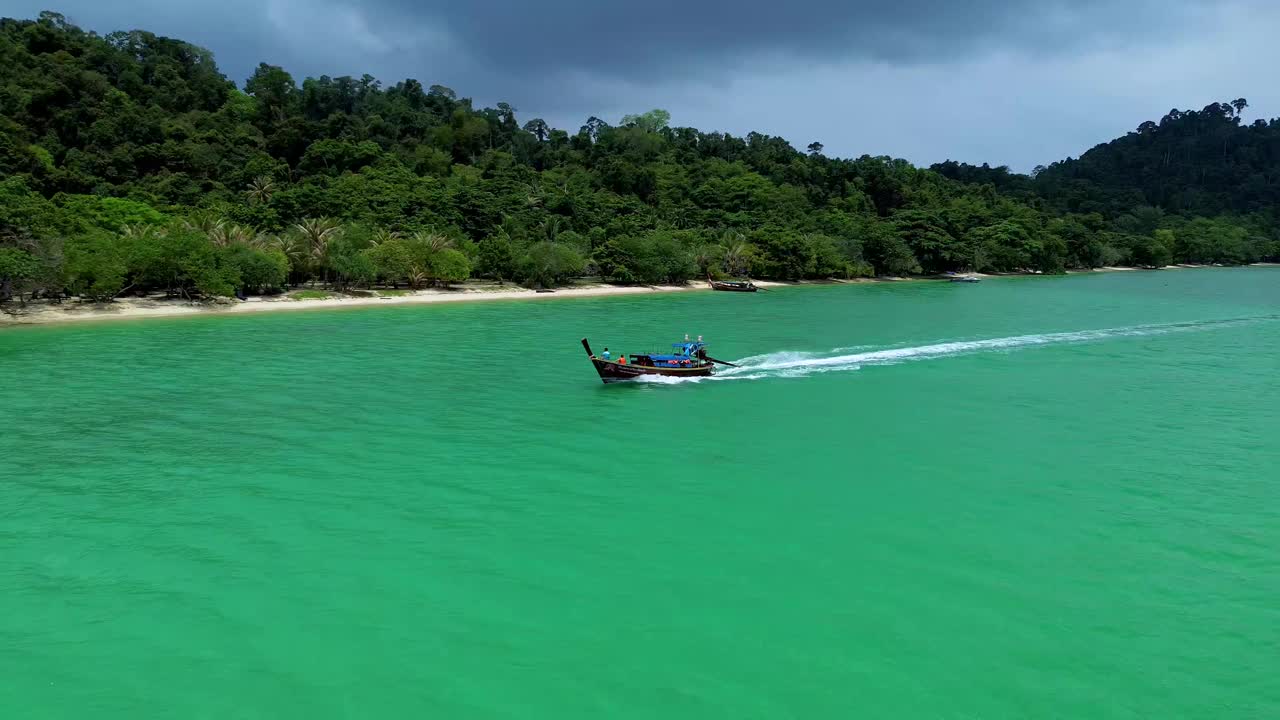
(1016,82)
(648,40)
(637,41)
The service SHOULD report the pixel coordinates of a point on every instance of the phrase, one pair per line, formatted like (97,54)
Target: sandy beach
(133,308)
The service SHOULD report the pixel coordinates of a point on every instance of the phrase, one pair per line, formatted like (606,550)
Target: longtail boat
(733,285)
(686,359)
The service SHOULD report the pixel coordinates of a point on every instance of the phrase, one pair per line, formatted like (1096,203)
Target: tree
(652,258)
(539,128)
(293,246)
(925,234)
(213,271)
(156,258)
(784,254)
(96,267)
(274,91)
(653,121)
(392,260)
(496,257)
(259,270)
(506,116)
(431,242)
(1083,239)
(593,128)
(547,264)
(383,235)
(709,259)
(1153,252)
(1005,246)
(335,157)
(111,214)
(815,148)
(737,254)
(450,266)
(226,235)
(316,234)
(885,249)
(440,91)
(350,265)
(16,266)
(261,188)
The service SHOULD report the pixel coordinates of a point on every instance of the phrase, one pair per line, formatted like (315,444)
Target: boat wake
(803,364)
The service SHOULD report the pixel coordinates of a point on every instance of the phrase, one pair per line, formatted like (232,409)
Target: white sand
(134,308)
(42,312)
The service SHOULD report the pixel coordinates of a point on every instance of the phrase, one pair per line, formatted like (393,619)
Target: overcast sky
(1015,82)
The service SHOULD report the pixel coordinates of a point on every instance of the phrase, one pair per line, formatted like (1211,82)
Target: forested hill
(1191,164)
(1201,163)
(129,163)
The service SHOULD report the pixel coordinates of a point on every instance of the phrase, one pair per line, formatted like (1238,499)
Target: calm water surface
(1034,497)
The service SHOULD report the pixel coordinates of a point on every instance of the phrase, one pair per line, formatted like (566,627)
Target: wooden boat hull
(732,287)
(612,372)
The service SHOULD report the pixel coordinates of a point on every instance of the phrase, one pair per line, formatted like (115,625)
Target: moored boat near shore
(733,285)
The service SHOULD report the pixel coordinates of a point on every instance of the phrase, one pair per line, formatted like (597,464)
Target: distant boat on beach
(733,285)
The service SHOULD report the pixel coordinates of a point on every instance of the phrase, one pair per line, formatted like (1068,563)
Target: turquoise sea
(1026,498)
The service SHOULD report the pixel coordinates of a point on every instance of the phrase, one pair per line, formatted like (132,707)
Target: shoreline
(73,311)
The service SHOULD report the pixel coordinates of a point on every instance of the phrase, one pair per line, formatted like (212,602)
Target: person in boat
(605,354)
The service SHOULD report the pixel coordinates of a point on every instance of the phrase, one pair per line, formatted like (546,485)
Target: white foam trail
(792,364)
(667,380)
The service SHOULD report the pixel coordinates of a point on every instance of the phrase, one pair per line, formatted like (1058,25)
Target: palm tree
(294,249)
(140,231)
(263,241)
(551,228)
(433,241)
(261,189)
(203,221)
(382,235)
(224,235)
(705,256)
(418,277)
(675,217)
(316,234)
(735,252)
(534,196)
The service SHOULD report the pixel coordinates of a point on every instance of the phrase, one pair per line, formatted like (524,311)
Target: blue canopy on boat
(680,351)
